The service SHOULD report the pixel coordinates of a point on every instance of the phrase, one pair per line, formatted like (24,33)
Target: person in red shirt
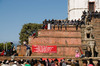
(2,54)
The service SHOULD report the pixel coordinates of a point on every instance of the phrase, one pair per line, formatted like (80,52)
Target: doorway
(91,6)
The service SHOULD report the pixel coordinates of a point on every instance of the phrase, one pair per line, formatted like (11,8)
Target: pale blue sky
(15,13)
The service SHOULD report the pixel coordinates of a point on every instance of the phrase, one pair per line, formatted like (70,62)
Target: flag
(2,53)
(33,34)
(45,27)
(80,50)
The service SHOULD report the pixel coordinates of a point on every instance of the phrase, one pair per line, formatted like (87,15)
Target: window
(88,35)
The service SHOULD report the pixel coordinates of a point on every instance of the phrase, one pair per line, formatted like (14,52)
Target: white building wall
(76,7)
(97,5)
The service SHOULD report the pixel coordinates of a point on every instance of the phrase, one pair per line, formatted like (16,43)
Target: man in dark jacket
(27,49)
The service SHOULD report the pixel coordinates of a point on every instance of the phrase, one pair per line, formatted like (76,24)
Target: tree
(8,45)
(27,30)
(3,46)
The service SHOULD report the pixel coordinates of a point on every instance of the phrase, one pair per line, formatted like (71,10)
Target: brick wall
(54,41)
(61,51)
(67,41)
(53,33)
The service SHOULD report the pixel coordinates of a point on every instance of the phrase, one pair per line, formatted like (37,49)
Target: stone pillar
(92,47)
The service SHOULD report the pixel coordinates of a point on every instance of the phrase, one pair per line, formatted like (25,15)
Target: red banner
(44,49)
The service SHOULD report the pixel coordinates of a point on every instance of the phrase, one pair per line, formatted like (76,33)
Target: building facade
(76,7)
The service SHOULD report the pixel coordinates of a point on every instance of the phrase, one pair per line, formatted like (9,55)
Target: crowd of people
(9,52)
(47,62)
(86,17)
(61,23)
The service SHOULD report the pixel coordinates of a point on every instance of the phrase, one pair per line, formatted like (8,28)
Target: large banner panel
(44,49)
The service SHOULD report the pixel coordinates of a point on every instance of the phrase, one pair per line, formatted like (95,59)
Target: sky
(15,13)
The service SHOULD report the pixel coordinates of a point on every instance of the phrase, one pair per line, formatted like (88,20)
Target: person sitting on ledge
(76,25)
(77,55)
(61,26)
(54,24)
(84,12)
(58,25)
(65,24)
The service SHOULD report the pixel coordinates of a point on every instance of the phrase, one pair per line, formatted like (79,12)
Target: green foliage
(27,30)
(3,46)
(8,45)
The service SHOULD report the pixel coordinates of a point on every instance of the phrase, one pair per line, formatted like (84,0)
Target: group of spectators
(87,16)
(61,23)
(41,62)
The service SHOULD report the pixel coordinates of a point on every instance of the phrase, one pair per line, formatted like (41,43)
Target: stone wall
(94,30)
(96,33)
